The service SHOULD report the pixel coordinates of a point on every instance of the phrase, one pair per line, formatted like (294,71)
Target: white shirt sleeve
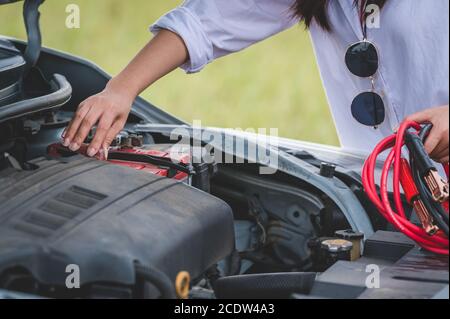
(215,28)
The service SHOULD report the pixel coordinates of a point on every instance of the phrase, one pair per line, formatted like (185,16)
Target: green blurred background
(274,84)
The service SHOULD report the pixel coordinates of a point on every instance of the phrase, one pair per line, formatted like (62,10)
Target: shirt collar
(352,15)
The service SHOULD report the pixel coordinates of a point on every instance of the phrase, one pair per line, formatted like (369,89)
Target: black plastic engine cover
(103,218)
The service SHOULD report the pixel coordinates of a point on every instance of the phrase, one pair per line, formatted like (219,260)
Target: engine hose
(157,278)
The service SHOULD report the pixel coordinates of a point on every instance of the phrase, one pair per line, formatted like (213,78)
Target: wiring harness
(423,187)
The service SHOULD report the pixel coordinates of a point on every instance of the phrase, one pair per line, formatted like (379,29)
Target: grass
(274,84)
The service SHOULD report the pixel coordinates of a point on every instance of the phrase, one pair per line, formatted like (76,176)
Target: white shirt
(413,43)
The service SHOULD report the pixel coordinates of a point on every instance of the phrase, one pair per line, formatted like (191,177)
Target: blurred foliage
(273,84)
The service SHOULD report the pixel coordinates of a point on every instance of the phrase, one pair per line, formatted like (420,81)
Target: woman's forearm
(164,53)
(109,109)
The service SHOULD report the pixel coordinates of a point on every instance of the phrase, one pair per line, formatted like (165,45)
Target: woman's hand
(437,144)
(108,110)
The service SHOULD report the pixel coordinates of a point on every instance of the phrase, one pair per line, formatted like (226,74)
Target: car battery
(171,161)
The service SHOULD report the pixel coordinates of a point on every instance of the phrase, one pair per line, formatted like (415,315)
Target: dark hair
(317,10)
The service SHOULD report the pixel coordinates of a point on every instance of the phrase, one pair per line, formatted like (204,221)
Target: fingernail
(91,152)
(63,135)
(74,147)
(66,142)
(106,151)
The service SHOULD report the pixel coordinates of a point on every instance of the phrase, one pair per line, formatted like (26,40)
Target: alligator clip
(413,197)
(438,187)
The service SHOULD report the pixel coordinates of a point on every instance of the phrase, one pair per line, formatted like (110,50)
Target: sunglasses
(362,60)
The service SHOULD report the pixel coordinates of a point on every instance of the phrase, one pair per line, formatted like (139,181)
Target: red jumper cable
(427,236)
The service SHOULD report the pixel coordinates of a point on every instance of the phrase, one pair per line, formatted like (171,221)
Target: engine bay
(143,206)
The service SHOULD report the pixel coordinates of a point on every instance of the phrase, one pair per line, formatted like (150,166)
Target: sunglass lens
(362,59)
(368,109)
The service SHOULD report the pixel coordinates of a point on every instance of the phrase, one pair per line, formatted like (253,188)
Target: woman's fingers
(421,117)
(104,125)
(442,147)
(78,118)
(442,156)
(85,127)
(113,132)
(108,110)
(437,143)
(432,141)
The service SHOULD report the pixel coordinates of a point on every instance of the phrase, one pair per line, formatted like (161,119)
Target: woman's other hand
(437,144)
